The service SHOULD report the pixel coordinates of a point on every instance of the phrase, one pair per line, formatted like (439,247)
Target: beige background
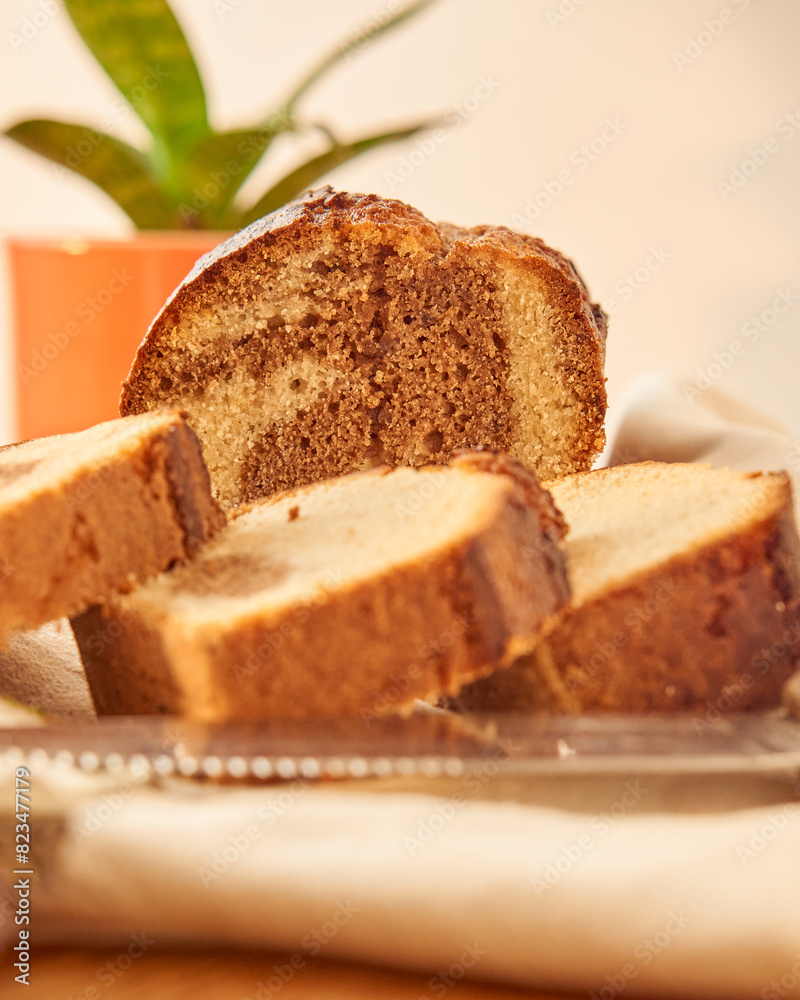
(669,98)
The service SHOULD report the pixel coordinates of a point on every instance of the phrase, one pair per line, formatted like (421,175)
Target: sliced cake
(356,595)
(84,514)
(346,331)
(685,595)
(791,696)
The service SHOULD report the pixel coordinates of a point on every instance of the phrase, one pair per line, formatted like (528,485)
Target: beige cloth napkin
(625,885)
(665,904)
(42,668)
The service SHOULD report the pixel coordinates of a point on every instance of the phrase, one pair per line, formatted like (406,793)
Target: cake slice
(84,514)
(790,697)
(685,595)
(355,595)
(346,331)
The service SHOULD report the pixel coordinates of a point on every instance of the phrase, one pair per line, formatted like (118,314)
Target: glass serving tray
(432,743)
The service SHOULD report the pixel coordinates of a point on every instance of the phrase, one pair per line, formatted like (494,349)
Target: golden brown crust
(551,520)
(326,210)
(386,420)
(189,486)
(714,629)
(790,697)
(533,250)
(370,648)
(322,211)
(71,543)
(118,650)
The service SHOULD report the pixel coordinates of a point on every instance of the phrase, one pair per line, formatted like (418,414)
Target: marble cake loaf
(345,331)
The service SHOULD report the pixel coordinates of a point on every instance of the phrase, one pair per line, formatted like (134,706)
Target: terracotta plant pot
(81,308)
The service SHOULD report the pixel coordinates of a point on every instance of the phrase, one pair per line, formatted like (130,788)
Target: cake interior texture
(84,514)
(626,521)
(315,352)
(318,600)
(45,464)
(685,587)
(338,536)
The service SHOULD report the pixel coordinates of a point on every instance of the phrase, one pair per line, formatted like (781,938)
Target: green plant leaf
(190,175)
(117,168)
(353,45)
(218,165)
(303,177)
(141,46)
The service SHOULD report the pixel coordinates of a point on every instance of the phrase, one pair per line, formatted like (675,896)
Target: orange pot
(81,308)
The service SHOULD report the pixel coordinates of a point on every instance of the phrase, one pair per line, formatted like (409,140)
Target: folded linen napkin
(660,904)
(654,886)
(42,668)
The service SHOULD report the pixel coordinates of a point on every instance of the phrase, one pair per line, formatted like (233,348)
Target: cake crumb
(294,513)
